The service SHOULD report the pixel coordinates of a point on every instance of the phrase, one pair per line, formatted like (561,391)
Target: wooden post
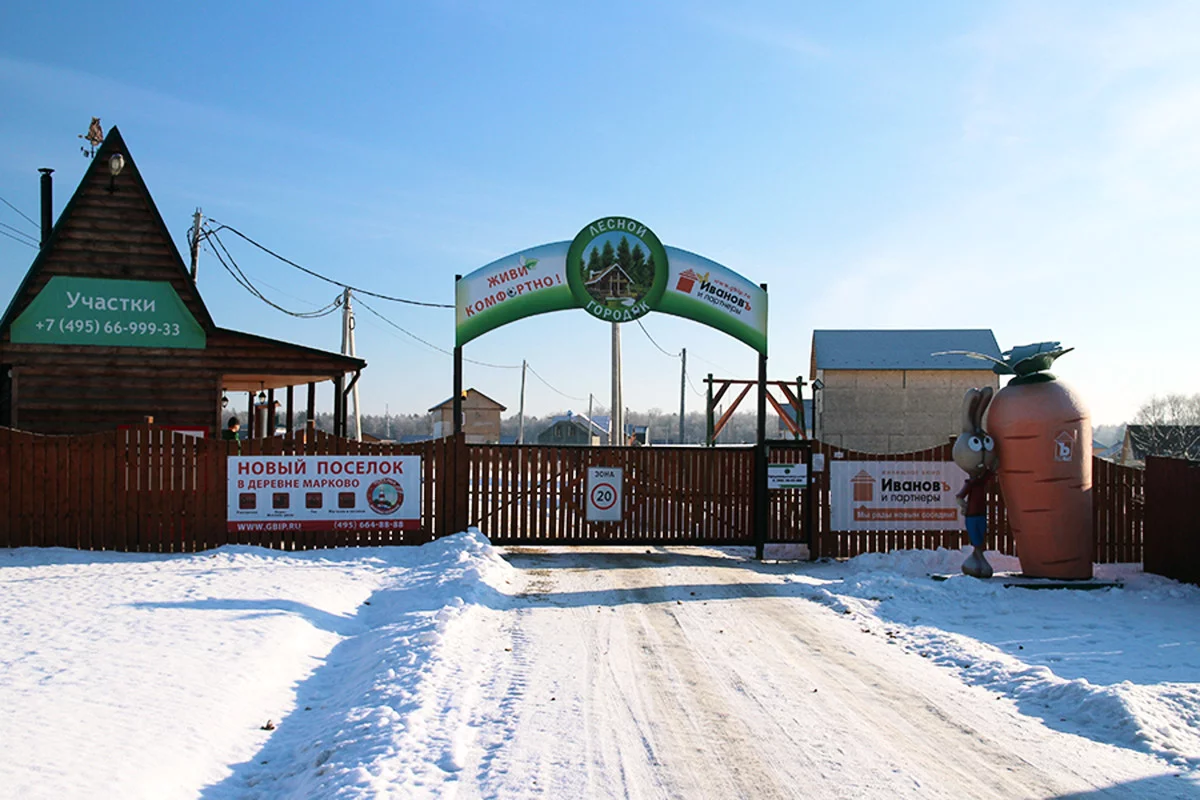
(708,436)
(310,422)
(338,429)
(250,415)
(291,410)
(271,422)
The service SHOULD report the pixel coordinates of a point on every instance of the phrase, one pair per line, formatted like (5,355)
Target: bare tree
(1173,409)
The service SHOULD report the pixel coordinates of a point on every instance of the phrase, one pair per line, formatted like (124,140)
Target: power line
(244,281)
(656,344)
(694,389)
(564,394)
(19,211)
(15,239)
(306,270)
(431,345)
(20,232)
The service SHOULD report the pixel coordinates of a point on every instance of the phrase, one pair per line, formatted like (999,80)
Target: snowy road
(449,671)
(691,676)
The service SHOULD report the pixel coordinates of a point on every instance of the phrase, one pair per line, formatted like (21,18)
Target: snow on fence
(147,488)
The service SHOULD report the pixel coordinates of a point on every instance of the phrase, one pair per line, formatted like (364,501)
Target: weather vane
(94,136)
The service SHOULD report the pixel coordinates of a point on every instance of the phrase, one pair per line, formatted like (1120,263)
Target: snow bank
(147,676)
(357,717)
(1116,665)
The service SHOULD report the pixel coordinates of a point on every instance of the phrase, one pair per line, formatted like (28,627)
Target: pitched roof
(117,231)
(900,349)
(470,392)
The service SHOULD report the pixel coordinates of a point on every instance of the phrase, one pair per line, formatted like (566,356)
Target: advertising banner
(108,312)
(533,281)
(324,493)
(716,296)
(894,495)
(617,270)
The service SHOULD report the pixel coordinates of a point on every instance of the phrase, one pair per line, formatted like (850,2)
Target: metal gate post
(761,499)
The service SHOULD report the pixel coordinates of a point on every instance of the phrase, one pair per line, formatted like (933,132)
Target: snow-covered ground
(456,670)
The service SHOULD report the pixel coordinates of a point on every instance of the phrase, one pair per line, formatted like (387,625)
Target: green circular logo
(617,269)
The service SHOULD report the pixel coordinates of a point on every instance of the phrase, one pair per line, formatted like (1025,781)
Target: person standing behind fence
(232,432)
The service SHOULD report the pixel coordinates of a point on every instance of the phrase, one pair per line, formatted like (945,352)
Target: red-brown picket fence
(146,488)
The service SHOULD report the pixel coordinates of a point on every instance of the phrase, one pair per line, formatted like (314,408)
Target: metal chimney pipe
(47,204)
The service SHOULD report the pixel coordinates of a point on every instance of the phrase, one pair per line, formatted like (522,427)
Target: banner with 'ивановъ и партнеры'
(617,270)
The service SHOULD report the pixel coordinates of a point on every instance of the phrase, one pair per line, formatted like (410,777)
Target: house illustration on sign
(864,487)
(1064,446)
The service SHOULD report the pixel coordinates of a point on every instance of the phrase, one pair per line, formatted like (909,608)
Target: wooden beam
(729,411)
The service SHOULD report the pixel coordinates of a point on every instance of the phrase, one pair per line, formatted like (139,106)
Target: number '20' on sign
(604,489)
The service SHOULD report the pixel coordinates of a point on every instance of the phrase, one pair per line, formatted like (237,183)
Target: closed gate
(791,509)
(527,494)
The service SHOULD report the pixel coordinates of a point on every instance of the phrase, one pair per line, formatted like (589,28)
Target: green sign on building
(108,313)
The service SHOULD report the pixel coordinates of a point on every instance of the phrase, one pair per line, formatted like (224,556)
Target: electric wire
(20,232)
(429,344)
(221,226)
(656,344)
(564,394)
(15,239)
(694,389)
(244,281)
(444,351)
(19,211)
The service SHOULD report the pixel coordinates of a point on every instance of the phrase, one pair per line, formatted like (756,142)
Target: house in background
(481,418)
(572,429)
(1173,441)
(883,391)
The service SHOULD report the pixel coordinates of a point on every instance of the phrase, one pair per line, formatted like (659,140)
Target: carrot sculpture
(1043,438)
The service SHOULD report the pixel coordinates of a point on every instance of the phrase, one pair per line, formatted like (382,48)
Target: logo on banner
(617,269)
(385,496)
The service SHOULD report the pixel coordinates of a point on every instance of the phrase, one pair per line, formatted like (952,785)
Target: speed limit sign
(604,494)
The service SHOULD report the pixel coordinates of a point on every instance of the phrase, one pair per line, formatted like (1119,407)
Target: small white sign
(787,476)
(818,462)
(604,494)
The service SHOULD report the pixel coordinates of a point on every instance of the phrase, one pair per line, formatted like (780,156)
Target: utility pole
(387,417)
(616,437)
(682,390)
(348,349)
(196,220)
(521,413)
(591,425)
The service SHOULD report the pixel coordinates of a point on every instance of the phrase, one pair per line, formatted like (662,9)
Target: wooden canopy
(112,231)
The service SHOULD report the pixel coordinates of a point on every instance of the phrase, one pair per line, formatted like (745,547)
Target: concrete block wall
(894,411)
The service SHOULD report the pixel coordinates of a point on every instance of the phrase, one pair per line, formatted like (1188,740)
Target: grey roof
(901,349)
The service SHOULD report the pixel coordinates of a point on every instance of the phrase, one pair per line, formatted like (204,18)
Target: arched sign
(617,270)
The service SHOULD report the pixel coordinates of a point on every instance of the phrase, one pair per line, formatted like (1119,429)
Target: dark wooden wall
(83,389)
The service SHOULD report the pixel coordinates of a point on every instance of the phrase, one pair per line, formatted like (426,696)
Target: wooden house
(481,418)
(610,284)
(108,328)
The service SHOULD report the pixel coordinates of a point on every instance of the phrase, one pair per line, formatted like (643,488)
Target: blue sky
(1028,167)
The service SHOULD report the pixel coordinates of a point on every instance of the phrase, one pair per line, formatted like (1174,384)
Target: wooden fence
(522,494)
(148,489)
(1116,498)
(1173,518)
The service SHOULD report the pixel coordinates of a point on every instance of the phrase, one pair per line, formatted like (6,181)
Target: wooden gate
(528,494)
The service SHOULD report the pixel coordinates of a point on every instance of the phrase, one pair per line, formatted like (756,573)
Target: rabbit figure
(975,453)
